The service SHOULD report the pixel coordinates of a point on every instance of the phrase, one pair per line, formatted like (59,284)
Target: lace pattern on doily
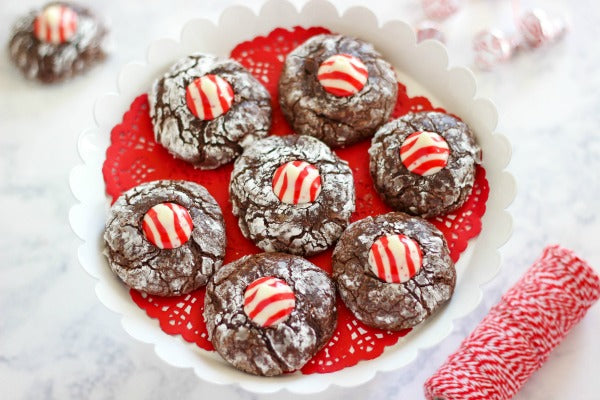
(134,157)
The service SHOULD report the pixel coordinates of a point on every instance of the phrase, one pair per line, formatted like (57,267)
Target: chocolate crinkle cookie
(206,110)
(424,163)
(393,270)
(57,42)
(165,237)
(292,194)
(269,313)
(337,89)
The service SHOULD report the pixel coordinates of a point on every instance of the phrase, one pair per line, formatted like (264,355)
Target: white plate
(423,68)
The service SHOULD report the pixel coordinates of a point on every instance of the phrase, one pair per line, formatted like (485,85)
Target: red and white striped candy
(440,9)
(297,182)
(268,301)
(167,225)
(429,30)
(395,258)
(492,47)
(537,28)
(342,75)
(209,97)
(520,331)
(424,153)
(55,24)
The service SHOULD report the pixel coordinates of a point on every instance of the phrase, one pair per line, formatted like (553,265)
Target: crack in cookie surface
(432,195)
(392,306)
(302,229)
(164,272)
(338,121)
(207,144)
(288,345)
(50,62)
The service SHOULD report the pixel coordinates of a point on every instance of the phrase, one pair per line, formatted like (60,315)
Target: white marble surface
(58,342)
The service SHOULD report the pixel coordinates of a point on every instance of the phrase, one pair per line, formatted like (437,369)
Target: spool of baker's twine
(518,334)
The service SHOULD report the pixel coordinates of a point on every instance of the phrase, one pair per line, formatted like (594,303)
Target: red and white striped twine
(518,334)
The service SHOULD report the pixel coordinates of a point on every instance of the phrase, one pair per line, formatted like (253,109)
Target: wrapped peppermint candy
(440,9)
(537,28)
(429,30)
(492,47)
(518,334)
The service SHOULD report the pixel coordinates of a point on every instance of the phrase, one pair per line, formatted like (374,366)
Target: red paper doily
(134,157)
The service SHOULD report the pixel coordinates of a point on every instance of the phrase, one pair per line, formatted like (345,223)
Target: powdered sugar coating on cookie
(277,349)
(426,195)
(393,306)
(208,144)
(164,272)
(336,120)
(302,229)
(52,62)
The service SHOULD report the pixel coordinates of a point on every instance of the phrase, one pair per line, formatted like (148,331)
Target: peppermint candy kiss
(167,225)
(297,182)
(342,75)
(395,258)
(56,24)
(424,153)
(209,96)
(268,301)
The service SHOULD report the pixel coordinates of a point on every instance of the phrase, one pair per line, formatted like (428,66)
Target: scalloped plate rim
(319,382)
